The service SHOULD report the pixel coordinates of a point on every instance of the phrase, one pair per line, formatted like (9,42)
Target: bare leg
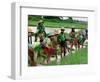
(61,51)
(72,44)
(64,50)
(36,35)
(48,60)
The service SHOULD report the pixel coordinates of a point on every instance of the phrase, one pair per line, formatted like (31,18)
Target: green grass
(55,23)
(79,57)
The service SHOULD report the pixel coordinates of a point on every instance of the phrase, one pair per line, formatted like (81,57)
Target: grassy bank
(57,23)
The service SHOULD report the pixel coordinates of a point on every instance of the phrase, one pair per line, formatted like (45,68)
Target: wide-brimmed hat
(56,32)
(30,30)
(62,28)
(40,21)
(50,34)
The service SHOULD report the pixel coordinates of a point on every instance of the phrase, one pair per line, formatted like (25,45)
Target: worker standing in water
(40,29)
(62,41)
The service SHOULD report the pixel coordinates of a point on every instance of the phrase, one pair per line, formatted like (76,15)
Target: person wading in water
(62,41)
(40,29)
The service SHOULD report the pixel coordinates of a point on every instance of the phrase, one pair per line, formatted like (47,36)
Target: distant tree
(70,19)
(30,17)
(51,17)
(34,17)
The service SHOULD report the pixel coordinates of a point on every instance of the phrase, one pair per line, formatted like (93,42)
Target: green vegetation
(56,22)
(79,57)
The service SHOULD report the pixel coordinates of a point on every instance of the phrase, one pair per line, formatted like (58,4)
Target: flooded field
(50,30)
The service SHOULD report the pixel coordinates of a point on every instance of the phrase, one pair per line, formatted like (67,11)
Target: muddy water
(50,30)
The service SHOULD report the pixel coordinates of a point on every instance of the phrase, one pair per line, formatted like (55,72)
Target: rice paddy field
(57,23)
(79,57)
